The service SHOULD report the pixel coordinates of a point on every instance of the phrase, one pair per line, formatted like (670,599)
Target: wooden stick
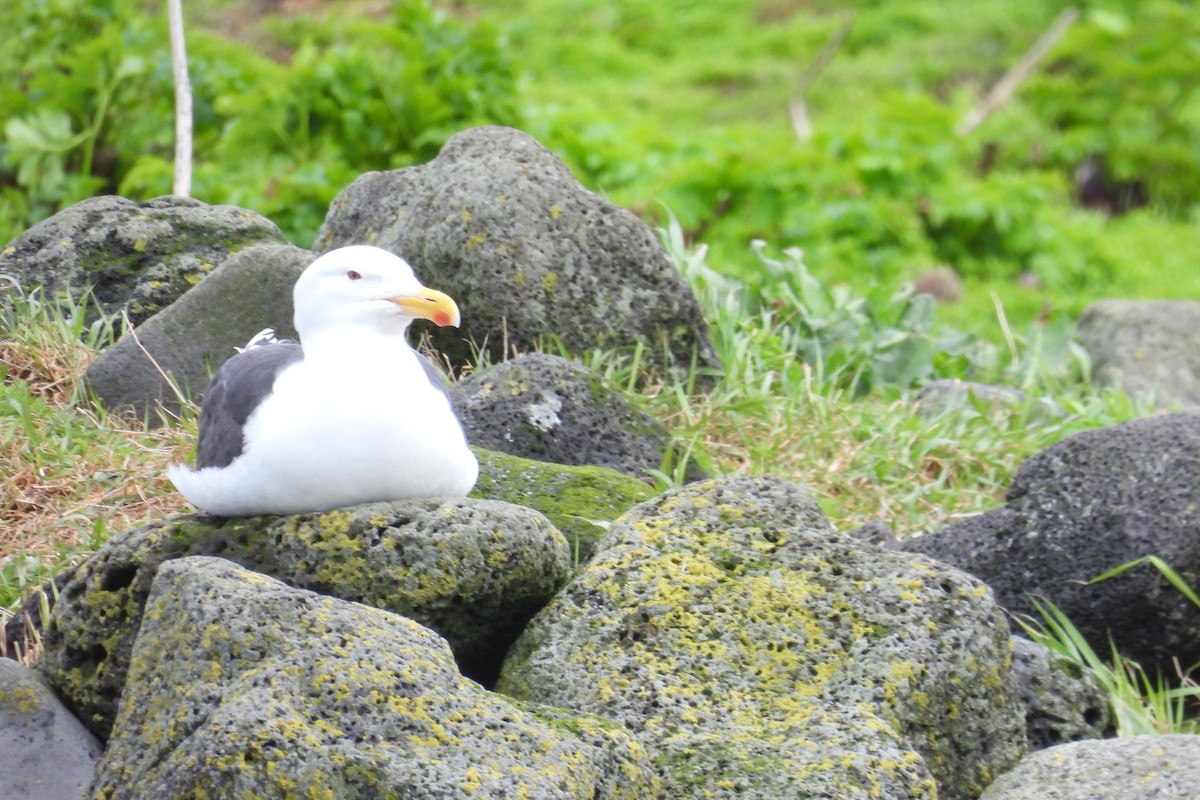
(183,101)
(798,109)
(1004,90)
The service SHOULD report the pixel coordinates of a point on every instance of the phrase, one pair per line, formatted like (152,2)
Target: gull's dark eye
(353,275)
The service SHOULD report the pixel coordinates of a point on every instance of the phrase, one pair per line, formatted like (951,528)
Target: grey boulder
(474,570)
(547,408)
(1149,348)
(500,223)
(757,653)
(1134,768)
(1092,502)
(942,395)
(240,686)
(179,348)
(45,753)
(135,257)
(1063,702)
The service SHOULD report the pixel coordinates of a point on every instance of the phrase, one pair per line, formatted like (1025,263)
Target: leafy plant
(861,342)
(999,226)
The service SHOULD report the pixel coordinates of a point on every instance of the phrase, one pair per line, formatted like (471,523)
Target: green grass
(1141,702)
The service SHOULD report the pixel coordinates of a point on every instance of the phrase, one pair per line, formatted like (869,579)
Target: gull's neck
(355,343)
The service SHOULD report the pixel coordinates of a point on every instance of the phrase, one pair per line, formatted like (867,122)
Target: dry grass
(69,474)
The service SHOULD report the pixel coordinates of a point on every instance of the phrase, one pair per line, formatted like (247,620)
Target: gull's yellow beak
(430,304)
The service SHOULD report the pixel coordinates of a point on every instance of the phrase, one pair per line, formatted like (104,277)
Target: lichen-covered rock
(759,654)
(136,257)
(474,570)
(243,687)
(547,408)
(192,337)
(501,223)
(580,501)
(1091,502)
(1062,702)
(45,753)
(1149,348)
(1130,768)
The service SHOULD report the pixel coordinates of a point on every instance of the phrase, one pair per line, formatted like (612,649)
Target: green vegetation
(89,104)
(687,105)
(800,249)
(1141,703)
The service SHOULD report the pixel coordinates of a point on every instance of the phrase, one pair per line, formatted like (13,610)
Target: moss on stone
(474,570)
(713,622)
(580,501)
(389,717)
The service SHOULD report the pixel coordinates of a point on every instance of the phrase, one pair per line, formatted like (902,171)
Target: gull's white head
(366,286)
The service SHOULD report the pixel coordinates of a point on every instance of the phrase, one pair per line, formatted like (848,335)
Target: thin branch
(1004,90)
(183,101)
(798,109)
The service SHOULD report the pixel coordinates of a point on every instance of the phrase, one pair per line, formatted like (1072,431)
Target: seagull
(351,414)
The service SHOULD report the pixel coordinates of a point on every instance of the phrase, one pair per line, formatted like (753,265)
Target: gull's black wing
(239,386)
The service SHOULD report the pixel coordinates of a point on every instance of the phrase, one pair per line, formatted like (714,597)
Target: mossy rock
(474,570)
(240,686)
(548,408)
(527,251)
(758,653)
(135,257)
(47,753)
(580,501)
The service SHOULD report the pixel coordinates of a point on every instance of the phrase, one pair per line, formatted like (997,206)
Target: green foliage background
(90,105)
(670,105)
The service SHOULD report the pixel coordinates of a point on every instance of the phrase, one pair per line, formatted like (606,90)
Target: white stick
(798,108)
(183,101)
(1003,91)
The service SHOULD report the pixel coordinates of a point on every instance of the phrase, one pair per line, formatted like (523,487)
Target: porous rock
(1063,702)
(1091,502)
(243,687)
(135,257)
(474,570)
(759,654)
(189,340)
(546,408)
(45,753)
(580,501)
(1149,348)
(1131,768)
(500,223)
